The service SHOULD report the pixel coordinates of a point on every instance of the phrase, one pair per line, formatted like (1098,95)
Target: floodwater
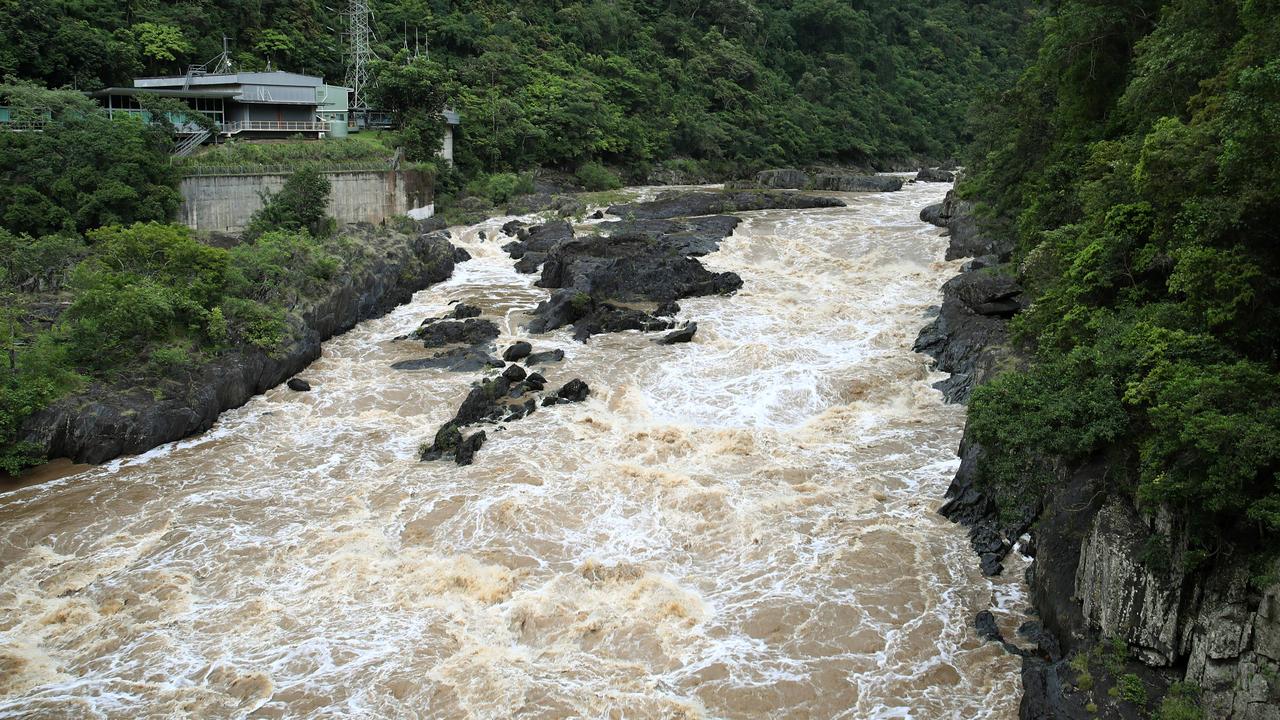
(741,527)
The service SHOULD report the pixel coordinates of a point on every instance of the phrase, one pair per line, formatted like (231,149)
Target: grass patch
(372,150)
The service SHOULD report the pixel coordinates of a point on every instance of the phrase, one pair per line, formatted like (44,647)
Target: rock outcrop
(858,183)
(935,175)
(967,239)
(106,421)
(968,336)
(1104,570)
(707,202)
(783,178)
(599,278)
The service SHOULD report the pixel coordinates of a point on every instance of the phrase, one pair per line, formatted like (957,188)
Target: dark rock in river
(783,178)
(514,373)
(605,318)
(683,335)
(299,385)
(462,311)
(858,183)
(545,357)
(669,308)
(935,175)
(466,451)
(512,228)
(985,623)
(535,382)
(465,359)
(685,236)
(534,244)
(630,268)
(518,350)
(529,262)
(651,259)
(703,202)
(574,391)
(439,332)
(483,402)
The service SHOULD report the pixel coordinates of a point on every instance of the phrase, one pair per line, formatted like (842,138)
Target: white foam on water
(739,527)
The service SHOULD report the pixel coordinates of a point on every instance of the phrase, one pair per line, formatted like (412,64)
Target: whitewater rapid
(741,527)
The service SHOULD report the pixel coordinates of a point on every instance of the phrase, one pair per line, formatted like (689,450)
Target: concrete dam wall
(224,203)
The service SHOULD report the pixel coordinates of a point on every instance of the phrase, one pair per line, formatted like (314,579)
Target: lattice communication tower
(359,53)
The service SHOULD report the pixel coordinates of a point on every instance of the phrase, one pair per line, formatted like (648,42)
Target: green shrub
(300,205)
(1065,408)
(501,187)
(1132,689)
(280,267)
(1181,702)
(168,358)
(1084,678)
(252,323)
(596,177)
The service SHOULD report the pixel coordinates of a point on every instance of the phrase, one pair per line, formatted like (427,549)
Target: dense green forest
(726,86)
(557,83)
(1136,161)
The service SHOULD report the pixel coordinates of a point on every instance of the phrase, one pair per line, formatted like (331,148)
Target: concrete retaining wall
(224,203)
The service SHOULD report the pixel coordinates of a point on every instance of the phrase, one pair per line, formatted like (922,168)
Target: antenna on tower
(359,53)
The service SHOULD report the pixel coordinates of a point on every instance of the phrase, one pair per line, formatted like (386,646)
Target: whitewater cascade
(740,527)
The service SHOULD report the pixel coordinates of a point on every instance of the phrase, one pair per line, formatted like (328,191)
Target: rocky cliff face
(106,421)
(1103,570)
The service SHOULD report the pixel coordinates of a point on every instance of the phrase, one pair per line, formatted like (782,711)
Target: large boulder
(858,183)
(690,203)
(440,332)
(683,335)
(935,175)
(574,391)
(460,359)
(788,178)
(606,318)
(518,350)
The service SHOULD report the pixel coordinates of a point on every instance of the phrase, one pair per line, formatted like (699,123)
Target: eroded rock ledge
(1102,569)
(627,274)
(106,421)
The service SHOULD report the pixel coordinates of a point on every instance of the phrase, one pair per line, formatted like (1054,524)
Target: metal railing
(188,145)
(21,125)
(232,128)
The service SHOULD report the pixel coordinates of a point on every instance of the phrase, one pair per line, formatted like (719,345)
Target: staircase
(188,145)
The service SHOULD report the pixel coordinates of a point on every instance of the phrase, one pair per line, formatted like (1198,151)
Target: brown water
(741,527)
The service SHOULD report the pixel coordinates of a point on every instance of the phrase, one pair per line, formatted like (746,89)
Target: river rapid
(740,527)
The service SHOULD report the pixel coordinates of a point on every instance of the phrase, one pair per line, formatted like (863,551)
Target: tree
(83,170)
(416,90)
(300,205)
(163,44)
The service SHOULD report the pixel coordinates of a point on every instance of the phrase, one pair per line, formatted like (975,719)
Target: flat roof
(159,92)
(275,77)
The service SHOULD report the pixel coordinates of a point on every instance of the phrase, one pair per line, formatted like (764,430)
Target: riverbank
(106,420)
(1124,629)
